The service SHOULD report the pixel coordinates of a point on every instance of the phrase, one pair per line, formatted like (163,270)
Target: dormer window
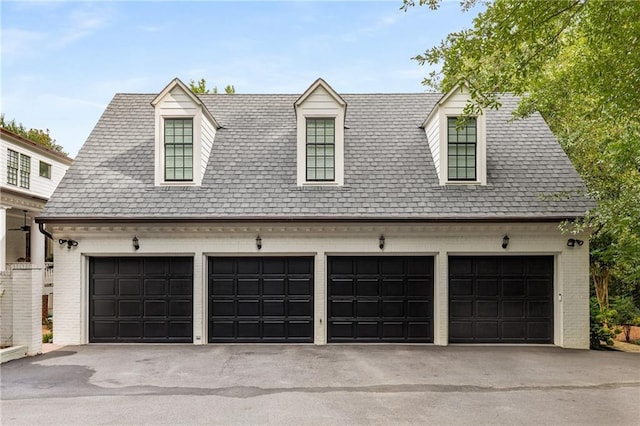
(457,143)
(321,142)
(320,117)
(178,149)
(462,143)
(184,136)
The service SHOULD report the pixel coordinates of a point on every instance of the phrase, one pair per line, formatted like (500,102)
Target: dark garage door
(506,299)
(380,299)
(141,299)
(261,299)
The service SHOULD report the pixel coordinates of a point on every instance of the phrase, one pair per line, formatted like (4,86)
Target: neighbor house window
(462,149)
(18,169)
(45,170)
(13,166)
(178,149)
(321,149)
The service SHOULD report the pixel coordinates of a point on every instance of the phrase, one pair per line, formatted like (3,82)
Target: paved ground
(297,385)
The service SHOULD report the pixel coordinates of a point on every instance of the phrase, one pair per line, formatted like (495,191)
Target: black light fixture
(70,243)
(571,242)
(505,241)
(381,242)
(136,243)
(258,242)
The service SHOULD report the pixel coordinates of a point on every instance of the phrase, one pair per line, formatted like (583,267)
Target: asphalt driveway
(278,384)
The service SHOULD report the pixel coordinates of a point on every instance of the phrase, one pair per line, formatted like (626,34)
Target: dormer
(458,148)
(320,118)
(184,134)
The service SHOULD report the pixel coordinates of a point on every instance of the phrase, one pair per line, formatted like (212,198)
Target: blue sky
(62,62)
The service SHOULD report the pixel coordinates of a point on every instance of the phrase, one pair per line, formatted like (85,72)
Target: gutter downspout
(44,231)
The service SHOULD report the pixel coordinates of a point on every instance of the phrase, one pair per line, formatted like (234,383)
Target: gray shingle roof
(389,171)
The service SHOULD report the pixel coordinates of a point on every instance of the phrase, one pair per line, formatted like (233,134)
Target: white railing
(48,270)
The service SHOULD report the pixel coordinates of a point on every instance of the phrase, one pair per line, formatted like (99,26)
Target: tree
(576,62)
(41,137)
(200,87)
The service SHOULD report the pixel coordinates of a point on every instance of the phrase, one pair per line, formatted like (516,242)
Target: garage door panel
(391,300)
(418,308)
(486,308)
(392,287)
(248,287)
(513,288)
(486,330)
(513,330)
(341,308)
(155,287)
(461,308)
(395,308)
(300,308)
(461,287)
(155,308)
(130,329)
(484,287)
(538,287)
(222,286)
(393,330)
(248,308)
(129,287)
(513,309)
(180,287)
(129,266)
(271,299)
(419,330)
(104,308)
(180,329)
(129,308)
(300,286)
(520,312)
(273,308)
(367,266)
(139,299)
(104,287)
(341,287)
(391,266)
(367,287)
(273,286)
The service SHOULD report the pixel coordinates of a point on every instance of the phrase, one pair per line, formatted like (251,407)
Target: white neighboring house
(29,173)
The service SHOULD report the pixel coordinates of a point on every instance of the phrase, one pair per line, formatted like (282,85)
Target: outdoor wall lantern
(69,243)
(571,242)
(505,241)
(258,242)
(136,243)
(381,242)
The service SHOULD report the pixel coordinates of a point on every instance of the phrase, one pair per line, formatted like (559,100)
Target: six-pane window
(45,170)
(321,149)
(25,170)
(12,167)
(178,149)
(461,148)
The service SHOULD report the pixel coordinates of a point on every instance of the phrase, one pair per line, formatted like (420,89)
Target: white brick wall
(571,322)
(27,309)
(6,308)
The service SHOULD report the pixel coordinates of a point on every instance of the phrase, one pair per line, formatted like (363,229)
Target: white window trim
(160,153)
(481,148)
(338,148)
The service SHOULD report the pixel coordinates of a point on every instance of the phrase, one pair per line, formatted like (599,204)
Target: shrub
(600,320)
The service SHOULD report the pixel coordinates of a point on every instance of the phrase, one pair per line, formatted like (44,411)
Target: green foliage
(200,87)
(576,62)
(47,338)
(600,320)
(626,315)
(38,136)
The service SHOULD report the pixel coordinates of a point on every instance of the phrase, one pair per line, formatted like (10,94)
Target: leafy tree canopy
(38,136)
(201,87)
(576,62)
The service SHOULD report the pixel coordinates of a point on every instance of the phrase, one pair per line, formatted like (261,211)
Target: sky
(62,62)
